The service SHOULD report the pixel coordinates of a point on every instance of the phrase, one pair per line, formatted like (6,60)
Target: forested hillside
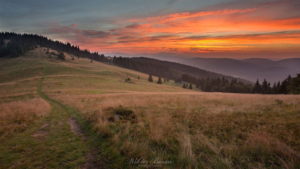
(288,86)
(13,45)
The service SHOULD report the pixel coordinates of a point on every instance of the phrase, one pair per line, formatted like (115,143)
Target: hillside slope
(34,125)
(185,69)
(78,114)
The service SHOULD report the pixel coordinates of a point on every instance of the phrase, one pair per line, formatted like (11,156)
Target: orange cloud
(185,15)
(228,30)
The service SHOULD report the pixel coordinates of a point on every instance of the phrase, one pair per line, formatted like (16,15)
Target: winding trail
(75,128)
(58,139)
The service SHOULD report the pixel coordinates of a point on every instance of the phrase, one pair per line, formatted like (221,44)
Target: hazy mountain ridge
(250,69)
(168,69)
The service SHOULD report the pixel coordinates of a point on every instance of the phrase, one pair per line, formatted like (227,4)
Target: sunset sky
(191,28)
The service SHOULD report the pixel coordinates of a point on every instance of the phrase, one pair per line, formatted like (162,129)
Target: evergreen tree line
(283,87)
(18,44)
(216,84)
(187,86)
(288,86)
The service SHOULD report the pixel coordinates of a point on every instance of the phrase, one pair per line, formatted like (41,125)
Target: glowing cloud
(184,15)
(244,30)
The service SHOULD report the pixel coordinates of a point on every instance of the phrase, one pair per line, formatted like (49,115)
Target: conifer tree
(269,91)
(191,86)
(257,87)
(2,43)
(289,79)
(159,80)
(294,86)
(274,89)
(264,87)
(223,82)
(278,87)
(283,87)
(150,79)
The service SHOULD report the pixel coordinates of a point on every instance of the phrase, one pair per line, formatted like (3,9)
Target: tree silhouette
(294,86)
(257,87)
(264,87)
(191,86)
(159,80)
(150,79)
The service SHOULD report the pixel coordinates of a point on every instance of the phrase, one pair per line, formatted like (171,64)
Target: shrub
(127,79)
(61,56)
(122,111)
(125,114)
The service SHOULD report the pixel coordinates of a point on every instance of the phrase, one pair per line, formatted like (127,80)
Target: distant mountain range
(250,69)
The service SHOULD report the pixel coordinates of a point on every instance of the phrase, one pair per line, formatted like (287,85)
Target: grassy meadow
(132,124)
(197,130)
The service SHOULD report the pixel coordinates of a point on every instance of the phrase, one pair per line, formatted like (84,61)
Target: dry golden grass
(191,129)
(15,116)
(210,130)
(206,102)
